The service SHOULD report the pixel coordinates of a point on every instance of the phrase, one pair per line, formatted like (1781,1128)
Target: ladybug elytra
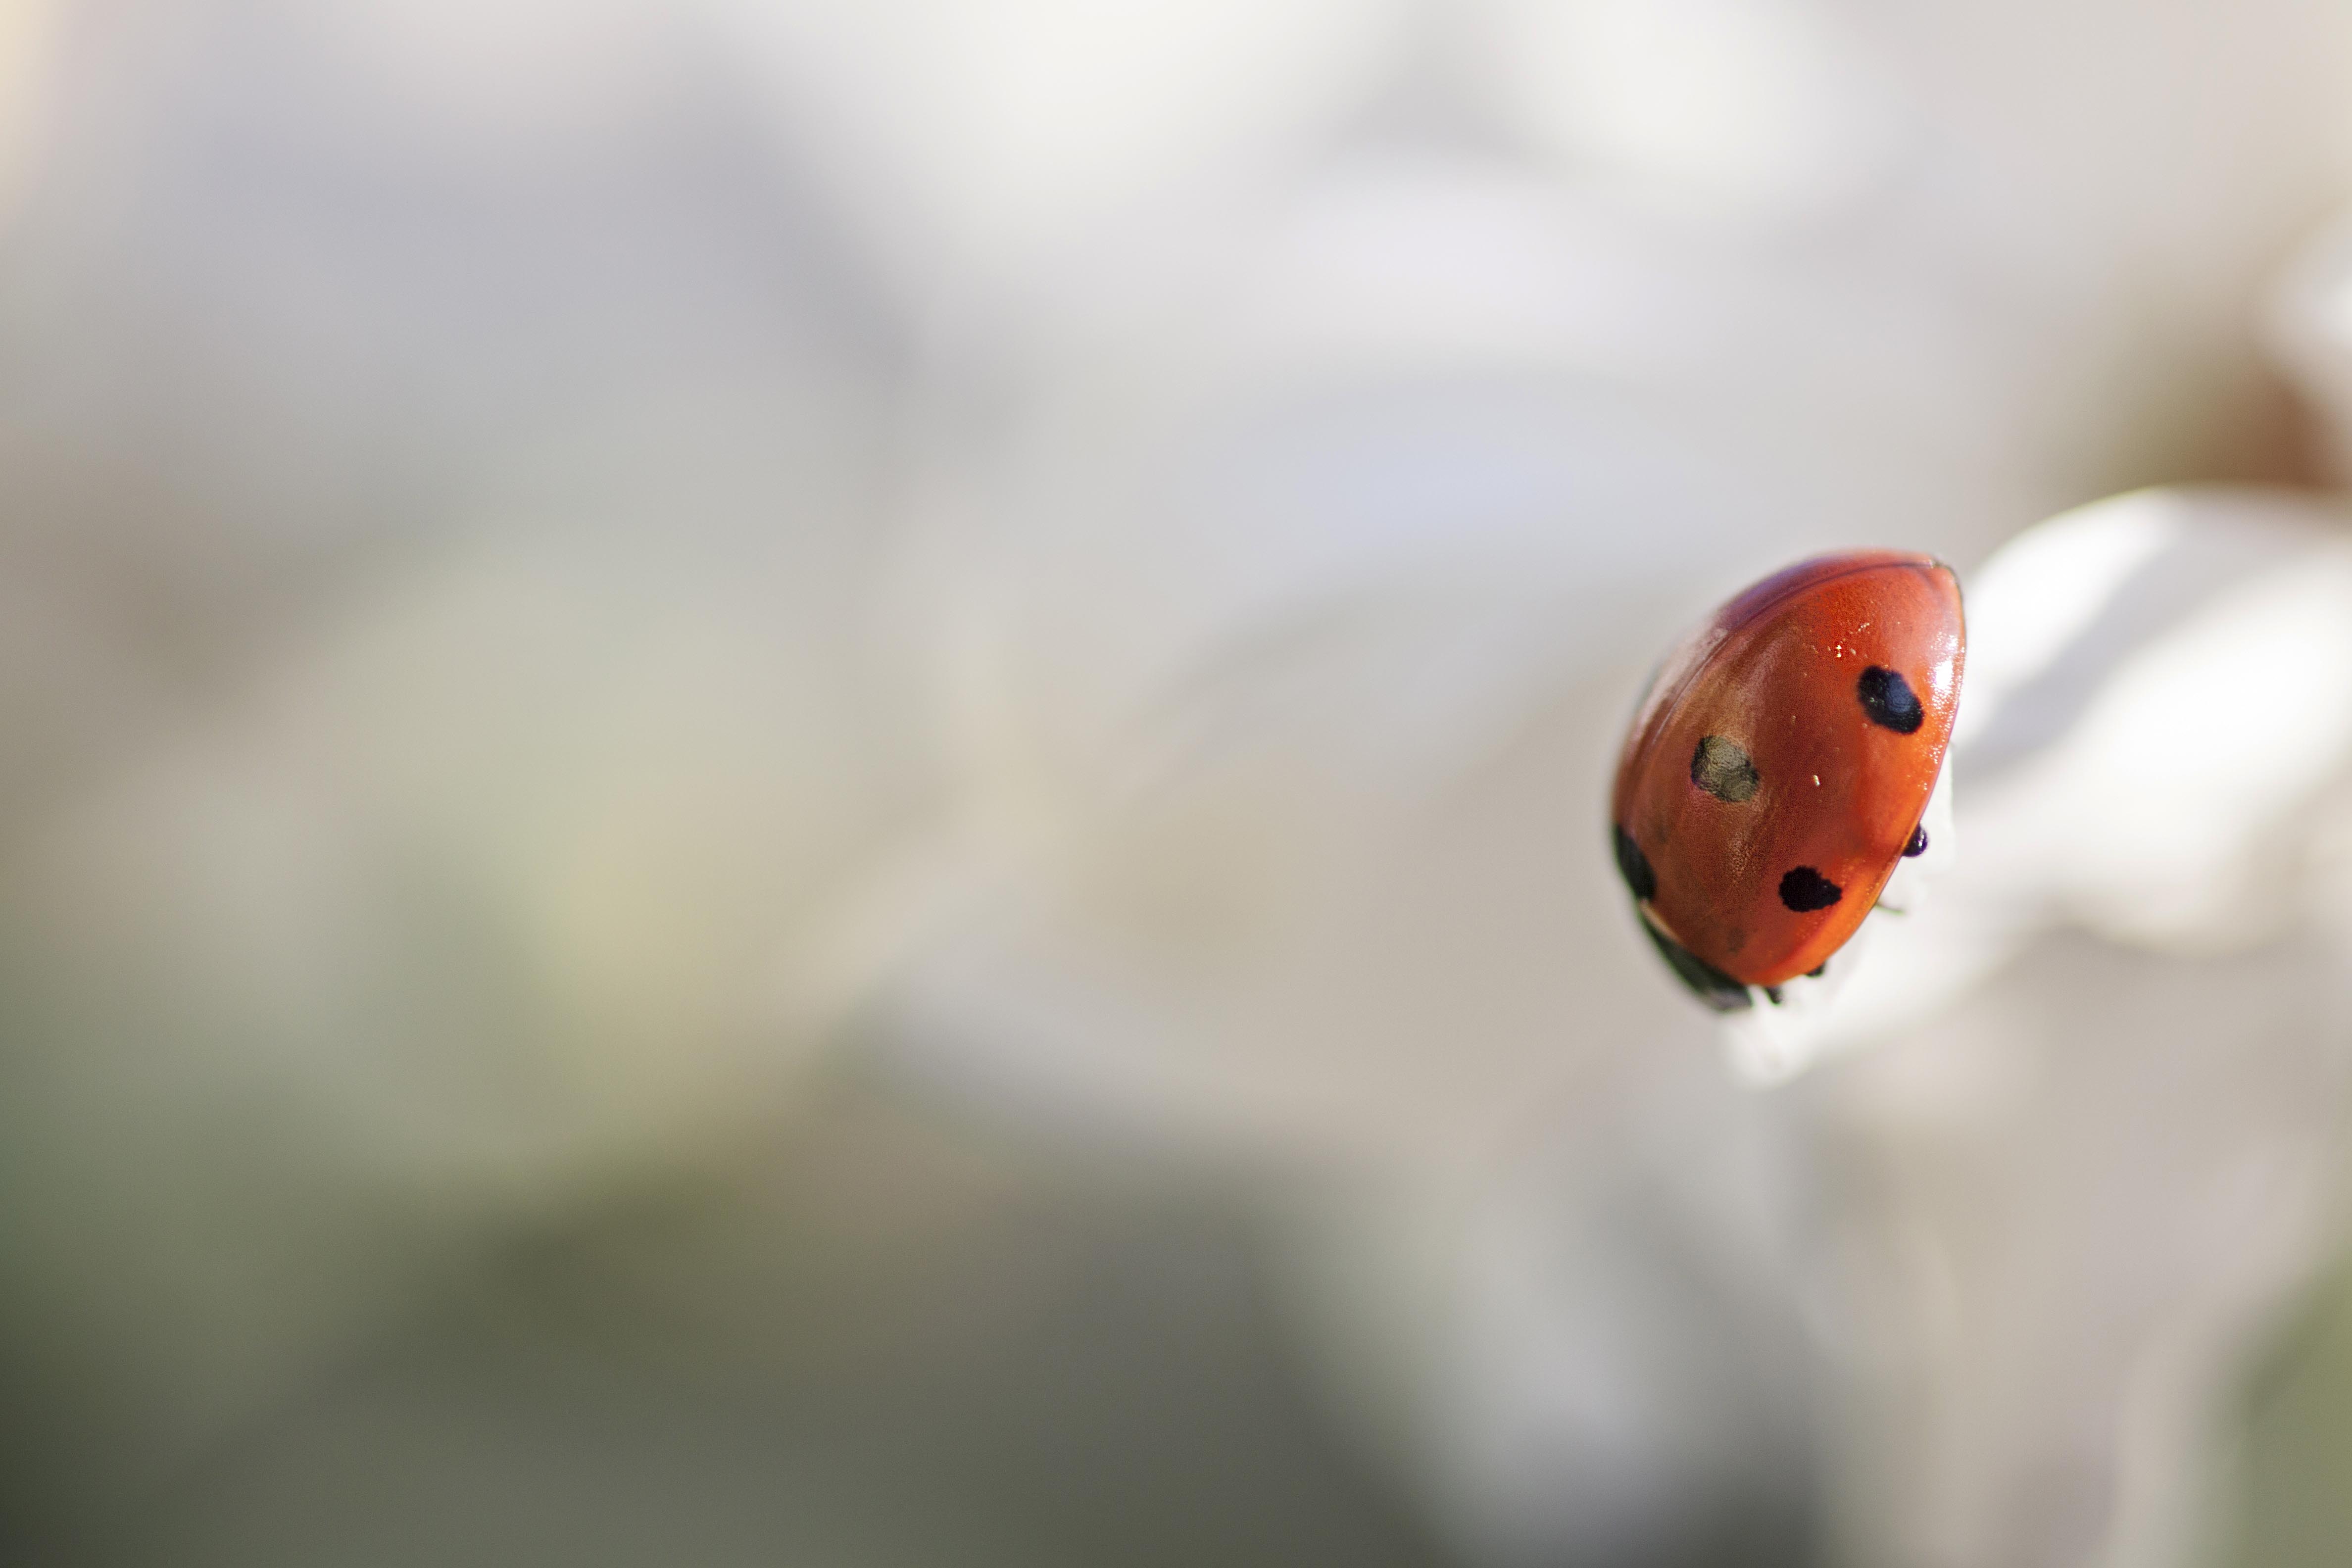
(1778,766)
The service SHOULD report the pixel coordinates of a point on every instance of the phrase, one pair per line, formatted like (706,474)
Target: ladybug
(1779,763)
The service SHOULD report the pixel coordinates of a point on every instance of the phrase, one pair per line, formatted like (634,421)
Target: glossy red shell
(1778,673)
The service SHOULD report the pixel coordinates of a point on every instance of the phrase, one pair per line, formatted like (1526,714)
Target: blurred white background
(822,783)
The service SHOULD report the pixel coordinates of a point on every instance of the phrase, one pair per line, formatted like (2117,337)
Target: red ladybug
(1781,763)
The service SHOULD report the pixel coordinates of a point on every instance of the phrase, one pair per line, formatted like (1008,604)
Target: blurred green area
(873,1335)
(2293,1503)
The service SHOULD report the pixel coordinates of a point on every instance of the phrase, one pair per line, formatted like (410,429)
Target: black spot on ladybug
(1817,970)
(1723,770)
(1709,983)
(1889,700)
(1918,844)
(1805,889)
(1635,867)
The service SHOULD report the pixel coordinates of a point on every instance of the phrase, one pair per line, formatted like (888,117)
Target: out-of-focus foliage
(2297,1444)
